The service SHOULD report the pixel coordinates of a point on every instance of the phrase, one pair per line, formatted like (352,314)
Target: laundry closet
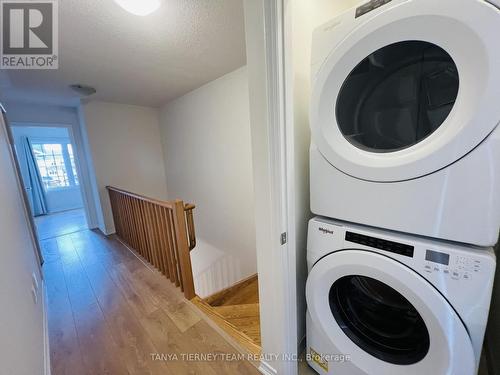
(404,174)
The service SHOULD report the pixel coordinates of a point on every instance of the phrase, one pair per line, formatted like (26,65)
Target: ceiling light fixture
(139,7)
(83,90)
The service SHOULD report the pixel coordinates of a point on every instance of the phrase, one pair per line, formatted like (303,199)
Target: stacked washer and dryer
(405,180)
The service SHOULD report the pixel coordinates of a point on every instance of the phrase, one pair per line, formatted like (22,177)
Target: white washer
(404,118)
(382,303)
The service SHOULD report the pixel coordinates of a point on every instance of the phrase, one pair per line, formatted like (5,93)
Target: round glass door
(379,320)
(397,96)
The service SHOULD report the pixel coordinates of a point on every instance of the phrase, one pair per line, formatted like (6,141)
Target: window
(56,164)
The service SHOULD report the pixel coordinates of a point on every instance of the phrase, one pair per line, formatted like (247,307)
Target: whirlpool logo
(325,231)
(29,34)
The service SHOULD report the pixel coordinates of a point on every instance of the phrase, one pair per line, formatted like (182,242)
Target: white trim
(276,261)
(46,342)
(265,369)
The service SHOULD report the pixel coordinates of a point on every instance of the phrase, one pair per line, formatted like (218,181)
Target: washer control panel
(456,267)
(369,6)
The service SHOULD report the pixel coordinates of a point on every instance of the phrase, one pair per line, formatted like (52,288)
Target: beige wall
(21,317)
(125,147)
(206,138)
(303,18)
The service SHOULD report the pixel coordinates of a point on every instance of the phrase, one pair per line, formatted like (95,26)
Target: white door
(410,90)
(386,316)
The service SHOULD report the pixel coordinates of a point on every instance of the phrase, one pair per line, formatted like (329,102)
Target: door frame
(27,209)
(272,154)
(81,165)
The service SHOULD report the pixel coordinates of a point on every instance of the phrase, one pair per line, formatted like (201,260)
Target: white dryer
(404,117)
(382,303)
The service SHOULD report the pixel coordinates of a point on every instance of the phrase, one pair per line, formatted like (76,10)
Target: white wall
(22,320)
(302,17)
(206,139)
(126,152)
(62,199)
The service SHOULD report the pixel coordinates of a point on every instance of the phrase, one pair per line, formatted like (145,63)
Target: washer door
(409,91)
(388,318)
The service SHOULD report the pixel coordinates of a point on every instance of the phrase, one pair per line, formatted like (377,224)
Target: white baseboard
(46,344)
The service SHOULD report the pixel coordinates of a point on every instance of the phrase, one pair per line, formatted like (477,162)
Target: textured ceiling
(136,60)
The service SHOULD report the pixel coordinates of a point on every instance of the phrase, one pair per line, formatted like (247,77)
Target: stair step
(250,341)
(250,310)
(244,292)
(246,318)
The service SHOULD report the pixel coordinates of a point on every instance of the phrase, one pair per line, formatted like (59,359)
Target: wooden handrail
(166,204)
(160,231)
(188,208)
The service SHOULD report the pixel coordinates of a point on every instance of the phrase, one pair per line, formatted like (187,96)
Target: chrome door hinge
(283,238)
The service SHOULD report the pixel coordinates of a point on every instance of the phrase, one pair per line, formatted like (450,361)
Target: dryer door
(388,318)
(409,91)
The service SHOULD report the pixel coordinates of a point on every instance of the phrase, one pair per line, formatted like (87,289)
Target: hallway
(60,223)
(110,314)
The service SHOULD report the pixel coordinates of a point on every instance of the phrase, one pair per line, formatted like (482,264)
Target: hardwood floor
(109,313)
(60,223)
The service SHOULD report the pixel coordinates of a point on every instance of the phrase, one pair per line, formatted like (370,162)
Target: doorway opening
(49,169)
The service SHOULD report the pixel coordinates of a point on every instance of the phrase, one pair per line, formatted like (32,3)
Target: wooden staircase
(236,312)
(163,234)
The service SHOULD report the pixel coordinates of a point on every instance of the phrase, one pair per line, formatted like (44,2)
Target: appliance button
(455,275)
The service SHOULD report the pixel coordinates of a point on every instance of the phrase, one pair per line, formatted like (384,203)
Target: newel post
(183,249)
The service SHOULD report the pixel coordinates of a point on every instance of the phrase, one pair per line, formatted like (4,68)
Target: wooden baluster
(166,241)
(117,198)
(128,218)
(125,235)
(161,232)
(163,241)
(146,232)
(114,210)
(171,249)
(159,244)
(119,212)
(140,216)
(152,239)
(147,245)
(137,216)
(133,224)
(156,237)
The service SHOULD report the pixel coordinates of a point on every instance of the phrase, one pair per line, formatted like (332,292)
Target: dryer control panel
(456,267)
(369,6)
(380,243)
